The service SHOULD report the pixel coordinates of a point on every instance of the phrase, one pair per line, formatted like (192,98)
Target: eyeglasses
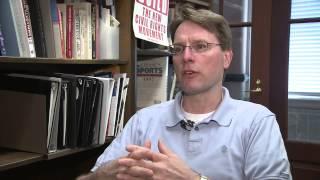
(197,47)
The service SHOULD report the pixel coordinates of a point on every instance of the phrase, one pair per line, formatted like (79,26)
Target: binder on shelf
(95,124)
(74,108)
(122,106)
(24,110)
(114,106)
(86,111)
(108,84)
(54,108)
(121,78)
(95,111)
(63,113)
(83,100)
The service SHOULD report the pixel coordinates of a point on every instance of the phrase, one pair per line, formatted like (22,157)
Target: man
(203,133)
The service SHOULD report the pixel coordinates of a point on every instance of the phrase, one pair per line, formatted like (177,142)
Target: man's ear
(228,55)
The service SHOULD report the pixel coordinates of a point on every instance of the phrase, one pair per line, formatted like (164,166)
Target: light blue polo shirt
(241,140)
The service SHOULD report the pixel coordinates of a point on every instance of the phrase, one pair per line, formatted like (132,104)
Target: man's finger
(123,176)
(128,162)
(147,144)
(132,147)
(139,171)
(164,149)
(135,168)
(141,154)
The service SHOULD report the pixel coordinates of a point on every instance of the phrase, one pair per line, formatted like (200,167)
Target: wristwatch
(202,177)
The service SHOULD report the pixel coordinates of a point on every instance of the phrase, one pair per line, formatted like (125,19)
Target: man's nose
(187,53)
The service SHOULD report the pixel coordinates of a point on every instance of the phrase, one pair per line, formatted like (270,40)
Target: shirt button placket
(195,141)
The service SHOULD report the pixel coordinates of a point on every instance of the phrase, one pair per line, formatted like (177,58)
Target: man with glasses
(203,133)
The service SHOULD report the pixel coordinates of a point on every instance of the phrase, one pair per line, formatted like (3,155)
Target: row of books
(44,113)
(45,28)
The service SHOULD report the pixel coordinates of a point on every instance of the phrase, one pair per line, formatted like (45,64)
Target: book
(109,35)
(37,28)
(82,32)
(15,31)
(56,29)
(152,81)
(27,18)
(3,51)
(69,31)
(62,7)
(95,30)
(50,22)
(21,24)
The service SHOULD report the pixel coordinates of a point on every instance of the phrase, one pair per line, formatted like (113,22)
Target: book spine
(84,9)
(46,9)
(77,34)
(97,22)
(93,29)
(37,28)
(2,45)
(63,25)
(61,31)
(29,28)
(56,28)
(89,32)
(20,26)
(69,35)
(83,33)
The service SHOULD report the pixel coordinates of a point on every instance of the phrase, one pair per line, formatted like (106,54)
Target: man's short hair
(207,19)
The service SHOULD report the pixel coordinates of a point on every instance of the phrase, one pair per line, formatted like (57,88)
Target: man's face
(199,72)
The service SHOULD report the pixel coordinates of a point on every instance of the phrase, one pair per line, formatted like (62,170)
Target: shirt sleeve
(116,149)
(265,156)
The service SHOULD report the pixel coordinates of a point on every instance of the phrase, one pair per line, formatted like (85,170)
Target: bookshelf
(69,163)
(48,61)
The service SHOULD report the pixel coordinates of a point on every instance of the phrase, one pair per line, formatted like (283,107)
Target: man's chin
(190,92)
(196,91)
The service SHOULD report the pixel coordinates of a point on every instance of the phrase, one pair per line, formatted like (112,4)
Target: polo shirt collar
(222,116)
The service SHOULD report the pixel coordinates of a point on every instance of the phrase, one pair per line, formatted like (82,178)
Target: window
(304,72)
(304,52)
(238,13)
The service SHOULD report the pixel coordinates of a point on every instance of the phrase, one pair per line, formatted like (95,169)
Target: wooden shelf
(200,3)
(23,60)
(66,152)
(69,163)
(12,158)
(45,65)
(153,52)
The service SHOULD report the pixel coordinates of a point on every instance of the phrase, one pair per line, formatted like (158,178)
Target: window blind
(305,9)
(304,48)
